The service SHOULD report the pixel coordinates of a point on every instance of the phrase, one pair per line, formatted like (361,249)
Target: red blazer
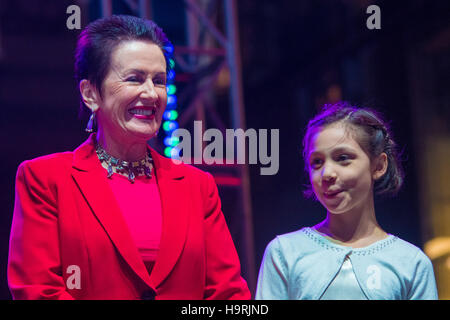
(70,241)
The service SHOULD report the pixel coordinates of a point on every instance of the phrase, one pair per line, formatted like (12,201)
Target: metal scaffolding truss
(208,54)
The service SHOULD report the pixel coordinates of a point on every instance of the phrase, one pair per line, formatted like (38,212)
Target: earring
(90,125)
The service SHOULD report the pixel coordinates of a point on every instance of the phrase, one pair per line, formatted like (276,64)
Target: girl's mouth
(331,194)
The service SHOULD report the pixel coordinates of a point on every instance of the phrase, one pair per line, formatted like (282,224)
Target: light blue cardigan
(301,264)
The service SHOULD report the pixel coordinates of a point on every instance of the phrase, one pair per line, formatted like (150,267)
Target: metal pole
(145,9)
(106,8)
(1,46)
(205,21)
(238,119)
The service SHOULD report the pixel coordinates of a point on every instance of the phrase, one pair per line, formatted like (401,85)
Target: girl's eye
(315,163)
(343,158)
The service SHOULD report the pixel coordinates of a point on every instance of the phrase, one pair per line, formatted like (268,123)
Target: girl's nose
(328,173)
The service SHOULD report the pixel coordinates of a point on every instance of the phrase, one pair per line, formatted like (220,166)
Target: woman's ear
(380,165)
(91,97)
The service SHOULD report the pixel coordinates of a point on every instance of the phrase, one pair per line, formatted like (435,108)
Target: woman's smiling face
(134,92)
(339,169)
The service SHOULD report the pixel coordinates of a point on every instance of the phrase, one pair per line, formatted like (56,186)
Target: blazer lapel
(175,204)
(90,178)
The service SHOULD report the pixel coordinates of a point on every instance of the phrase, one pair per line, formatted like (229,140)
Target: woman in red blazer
(114,219)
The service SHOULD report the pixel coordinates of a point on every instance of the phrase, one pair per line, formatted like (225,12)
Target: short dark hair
(98,40)
(373,136)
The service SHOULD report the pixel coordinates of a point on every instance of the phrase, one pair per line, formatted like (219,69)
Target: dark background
(296,55)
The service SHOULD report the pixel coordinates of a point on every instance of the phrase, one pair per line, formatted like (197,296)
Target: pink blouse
(141,207)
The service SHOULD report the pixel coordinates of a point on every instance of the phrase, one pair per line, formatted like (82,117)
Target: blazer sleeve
(34,265)
(223,271)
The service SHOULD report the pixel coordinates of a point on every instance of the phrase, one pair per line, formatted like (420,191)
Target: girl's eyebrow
(343,149)
(340,148)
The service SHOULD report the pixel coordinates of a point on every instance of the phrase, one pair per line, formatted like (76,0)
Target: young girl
(349,155)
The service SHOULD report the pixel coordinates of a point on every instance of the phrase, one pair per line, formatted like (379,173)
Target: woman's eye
(133,79)
(160,81)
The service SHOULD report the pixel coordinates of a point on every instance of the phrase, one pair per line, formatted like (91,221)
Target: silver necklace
(130,168)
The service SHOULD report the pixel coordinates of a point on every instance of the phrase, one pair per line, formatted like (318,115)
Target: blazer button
(148,295)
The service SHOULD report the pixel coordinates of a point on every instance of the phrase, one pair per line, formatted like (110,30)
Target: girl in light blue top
(350,156)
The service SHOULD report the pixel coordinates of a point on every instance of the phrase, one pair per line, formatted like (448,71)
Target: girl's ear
(380,165)
(90,95)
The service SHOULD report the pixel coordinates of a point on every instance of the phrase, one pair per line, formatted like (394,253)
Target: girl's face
(134,92)
(340,171)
